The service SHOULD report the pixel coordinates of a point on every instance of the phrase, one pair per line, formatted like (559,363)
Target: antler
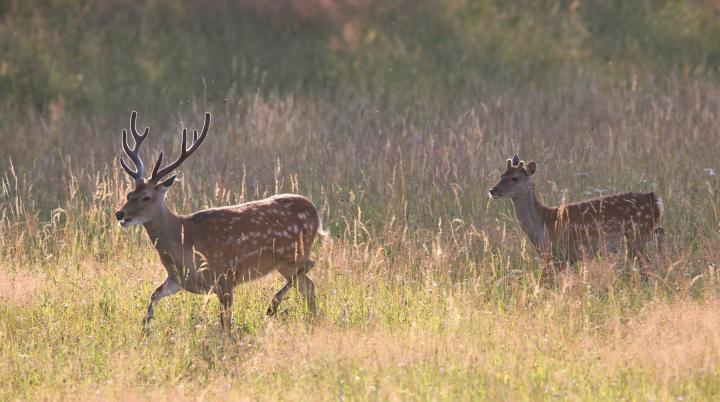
(134,152)
(185,152)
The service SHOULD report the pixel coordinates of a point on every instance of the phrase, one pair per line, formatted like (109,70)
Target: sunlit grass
(427,289)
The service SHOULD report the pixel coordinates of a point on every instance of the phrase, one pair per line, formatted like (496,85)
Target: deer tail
(321,231)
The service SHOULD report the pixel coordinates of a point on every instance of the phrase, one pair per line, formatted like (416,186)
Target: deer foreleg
(549,269)
(168,288)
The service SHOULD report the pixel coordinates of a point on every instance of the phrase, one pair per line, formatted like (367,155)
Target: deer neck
(164,229)
(530,213)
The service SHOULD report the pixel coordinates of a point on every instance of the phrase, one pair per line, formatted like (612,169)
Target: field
(428,290)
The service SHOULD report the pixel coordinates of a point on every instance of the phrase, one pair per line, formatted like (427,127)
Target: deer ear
(530,168)
(167,183)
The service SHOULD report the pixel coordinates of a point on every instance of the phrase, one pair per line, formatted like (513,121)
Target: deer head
(146,200)
(516,180)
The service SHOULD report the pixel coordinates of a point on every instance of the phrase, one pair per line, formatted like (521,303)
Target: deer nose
(119,215)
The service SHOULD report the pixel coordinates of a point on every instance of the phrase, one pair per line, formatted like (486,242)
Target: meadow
(427,289)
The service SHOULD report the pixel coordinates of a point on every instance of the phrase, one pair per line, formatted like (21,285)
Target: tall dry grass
(427,289)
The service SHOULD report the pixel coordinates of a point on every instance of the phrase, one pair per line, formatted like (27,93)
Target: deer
(213,250)
(582,230)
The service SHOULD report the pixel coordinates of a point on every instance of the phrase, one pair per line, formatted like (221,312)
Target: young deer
(576,231)
(214,250)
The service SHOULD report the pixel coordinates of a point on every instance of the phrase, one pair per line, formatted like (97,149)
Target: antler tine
(157,165)
(133,127)
(134,153)
(185,152)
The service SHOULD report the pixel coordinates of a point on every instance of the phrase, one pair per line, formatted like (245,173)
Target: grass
(395,119)
(427,289)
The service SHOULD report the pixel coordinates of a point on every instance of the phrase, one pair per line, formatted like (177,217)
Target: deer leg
(295,274)
(168,288)
(306,286)
(225,296)
(646,269)
(660,240)
(307,289)
(547,276)
(637,252)
(279,296)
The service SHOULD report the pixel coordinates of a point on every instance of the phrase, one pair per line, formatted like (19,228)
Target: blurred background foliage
(93,57)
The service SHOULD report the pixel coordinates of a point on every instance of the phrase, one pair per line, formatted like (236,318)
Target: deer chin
(495,196)
(127,222)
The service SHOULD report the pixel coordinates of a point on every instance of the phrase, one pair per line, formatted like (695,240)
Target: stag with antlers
(576,231)
(212,251)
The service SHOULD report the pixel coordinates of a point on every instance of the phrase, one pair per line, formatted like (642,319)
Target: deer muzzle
(123,219)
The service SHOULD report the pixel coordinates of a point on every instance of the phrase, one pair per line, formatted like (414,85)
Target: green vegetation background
(155,55)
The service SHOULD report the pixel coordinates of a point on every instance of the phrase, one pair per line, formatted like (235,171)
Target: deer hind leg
(279,296)
(295,273)
(307,289)
(659,233)
(305,285)
(225,296)
(167,288)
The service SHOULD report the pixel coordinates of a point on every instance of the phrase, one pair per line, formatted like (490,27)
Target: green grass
(98,58)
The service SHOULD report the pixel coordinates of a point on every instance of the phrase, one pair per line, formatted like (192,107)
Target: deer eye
(514,179)
(145,199)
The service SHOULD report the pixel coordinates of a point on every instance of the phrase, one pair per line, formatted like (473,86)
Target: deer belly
(255,268)
(233,270)
(585,245)
(197,282)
